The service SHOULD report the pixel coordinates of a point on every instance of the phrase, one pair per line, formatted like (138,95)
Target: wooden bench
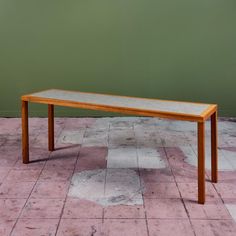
(197,112)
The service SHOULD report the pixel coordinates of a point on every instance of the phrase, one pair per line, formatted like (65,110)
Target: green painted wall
(170,49)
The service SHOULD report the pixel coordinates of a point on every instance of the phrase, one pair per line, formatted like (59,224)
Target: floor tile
(91,158)
(35,227)
(50,190)
(63,154)
(226,190)
(182,126)
(125,227)
(214,227)
(80,208)
(175,157)
(121,138)
(226,177)
(72,136)
(146,142)
(13,139)
(95,141)
(95,137)
(232,210)
(9,125)
(230,204)
(101,123)
(122,158)
(83,227)
(190,191)
(3,173)
(60,159)
(156,176)
(165,208)
(161,190)
(210,210)
(123,187)
(38,155)
(13,190)
(223,162)
(190,156)
(88,185)
(23,175)
(42,208)
(38,164)
(40,140)
(171,138)
(124,212)
(76,123)
(122,122)
(55,174)
(229,155)
(186,174)
(11,208)
(230,140)
(150,158)
(166,227)
(8,160)
(6,226)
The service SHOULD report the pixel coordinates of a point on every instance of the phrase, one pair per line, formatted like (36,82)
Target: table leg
(214,164)
(25,132)
(201,162)
(50,127)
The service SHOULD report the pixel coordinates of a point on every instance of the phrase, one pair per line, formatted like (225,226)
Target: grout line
(182,200)
(104,192)
(140,183)
(220,197)
(28,198)
(69,185)
(32,187)
(124,218)
(35,182)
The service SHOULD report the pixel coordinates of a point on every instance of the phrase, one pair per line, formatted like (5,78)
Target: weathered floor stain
(107,187)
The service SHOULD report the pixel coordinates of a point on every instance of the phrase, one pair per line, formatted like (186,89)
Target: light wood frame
(210,112)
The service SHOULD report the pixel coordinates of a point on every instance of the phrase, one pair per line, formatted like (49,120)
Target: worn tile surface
(125,227)
(36,227)
(86,227)
(165,208)
(166,227)
(82,209)
(115,176)
(42,208)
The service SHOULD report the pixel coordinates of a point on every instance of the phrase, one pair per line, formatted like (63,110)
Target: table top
(124,104)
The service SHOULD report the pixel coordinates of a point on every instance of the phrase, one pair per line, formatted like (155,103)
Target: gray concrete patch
(122,187)
(71,136)
(149,158)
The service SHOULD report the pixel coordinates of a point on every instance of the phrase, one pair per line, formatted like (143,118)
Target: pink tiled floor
(34,198)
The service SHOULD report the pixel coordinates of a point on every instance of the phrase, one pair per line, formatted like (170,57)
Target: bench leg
(214,163)
(201,162)
(25,132)
(50,127)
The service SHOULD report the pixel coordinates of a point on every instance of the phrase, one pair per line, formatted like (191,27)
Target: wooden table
(197,112)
